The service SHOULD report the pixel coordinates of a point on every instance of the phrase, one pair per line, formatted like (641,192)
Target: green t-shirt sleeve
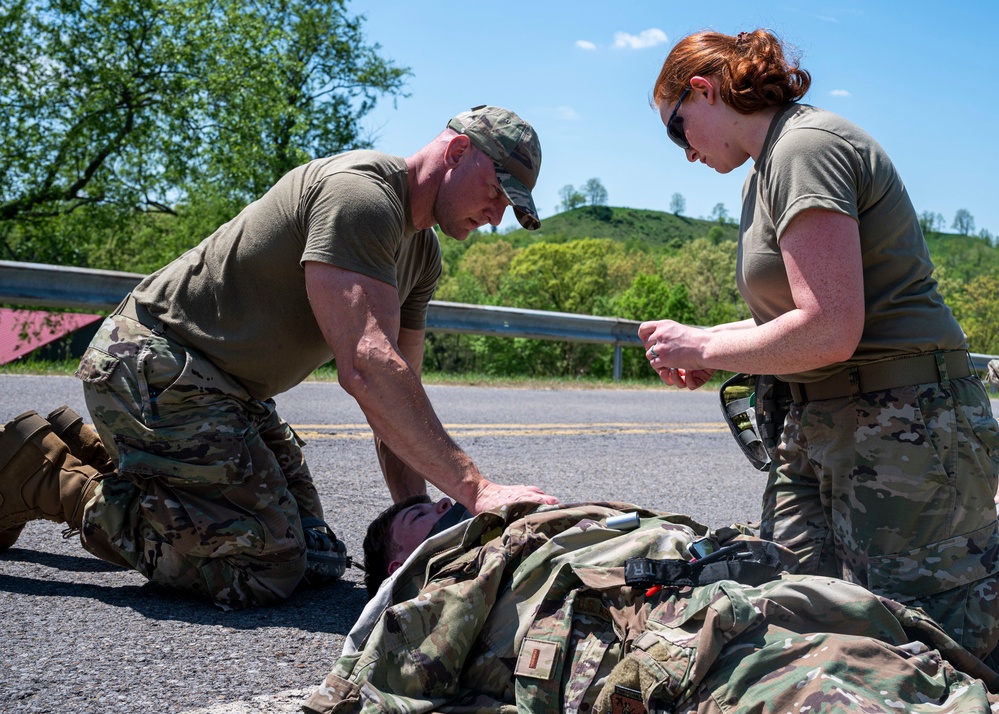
(811,168)
(355,222)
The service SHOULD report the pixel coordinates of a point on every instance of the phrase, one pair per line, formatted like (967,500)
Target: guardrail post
(617,361)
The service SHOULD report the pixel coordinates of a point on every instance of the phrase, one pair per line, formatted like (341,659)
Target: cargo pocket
(986,431)
(96,366)
(181,388)
(185,459)
(936,567)
(160,367)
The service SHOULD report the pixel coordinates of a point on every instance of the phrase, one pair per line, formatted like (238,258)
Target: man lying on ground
(609,607)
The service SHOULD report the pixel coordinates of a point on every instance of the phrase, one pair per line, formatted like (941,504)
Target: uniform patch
(627,701)
(537,659)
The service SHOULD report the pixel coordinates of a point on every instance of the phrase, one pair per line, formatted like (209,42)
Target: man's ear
(394,566)
(457,149)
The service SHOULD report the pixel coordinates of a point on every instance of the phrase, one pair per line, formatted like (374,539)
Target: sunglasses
(674,125)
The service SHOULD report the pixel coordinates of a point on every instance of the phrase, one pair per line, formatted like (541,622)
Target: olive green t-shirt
(815,159)
(239,297)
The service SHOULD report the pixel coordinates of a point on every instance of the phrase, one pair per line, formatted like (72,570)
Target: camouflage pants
(895,490)
(211,483)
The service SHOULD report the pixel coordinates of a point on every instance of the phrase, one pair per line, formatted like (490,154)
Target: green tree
(595,193)
(575,276)
(964,222)
(931,222)
(571,198)
(719,213)
(651,297)
(677,204)
(708,271)
(976,307)
(565,277)
(487,264)
(111,108)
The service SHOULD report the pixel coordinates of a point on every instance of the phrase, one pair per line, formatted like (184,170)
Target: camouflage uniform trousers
(894,490)
(211,483)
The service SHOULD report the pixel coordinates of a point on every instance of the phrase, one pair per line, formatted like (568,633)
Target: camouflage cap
(515,150)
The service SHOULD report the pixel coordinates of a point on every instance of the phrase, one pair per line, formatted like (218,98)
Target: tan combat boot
(39,478)
(81,438)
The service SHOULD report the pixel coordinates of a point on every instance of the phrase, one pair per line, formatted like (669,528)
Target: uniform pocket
(96,366)
(180,386)
(936,567)
(983,423)
(183,459)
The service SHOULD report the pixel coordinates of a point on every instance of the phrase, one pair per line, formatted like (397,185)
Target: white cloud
(839,93)
(563,113)
(585,45)
(646,38)
(834,15)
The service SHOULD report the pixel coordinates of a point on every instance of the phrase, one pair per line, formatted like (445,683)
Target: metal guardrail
(56,286)
(53,286)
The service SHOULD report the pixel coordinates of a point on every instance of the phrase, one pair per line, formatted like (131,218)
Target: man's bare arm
(359,317)
(402,480)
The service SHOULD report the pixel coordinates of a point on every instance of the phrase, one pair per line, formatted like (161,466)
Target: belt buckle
(856,388)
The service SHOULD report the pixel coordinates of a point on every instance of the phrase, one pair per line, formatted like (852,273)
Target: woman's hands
(669,345)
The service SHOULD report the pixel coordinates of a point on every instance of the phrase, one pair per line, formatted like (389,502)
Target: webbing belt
(887,374)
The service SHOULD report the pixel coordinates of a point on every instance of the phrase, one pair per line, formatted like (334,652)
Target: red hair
(753,70)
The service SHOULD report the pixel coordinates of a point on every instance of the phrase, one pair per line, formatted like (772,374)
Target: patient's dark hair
(379,548)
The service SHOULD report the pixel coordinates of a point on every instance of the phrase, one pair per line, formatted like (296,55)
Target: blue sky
(919,76)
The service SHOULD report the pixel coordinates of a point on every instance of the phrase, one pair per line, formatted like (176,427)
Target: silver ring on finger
(652,352)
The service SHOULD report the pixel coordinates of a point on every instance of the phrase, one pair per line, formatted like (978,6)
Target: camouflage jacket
(527,609)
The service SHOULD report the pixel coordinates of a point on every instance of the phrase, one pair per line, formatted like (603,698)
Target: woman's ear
(705,87)
(393,566)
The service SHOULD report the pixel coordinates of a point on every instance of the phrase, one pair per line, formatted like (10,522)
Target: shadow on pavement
(330,609)
(73,563)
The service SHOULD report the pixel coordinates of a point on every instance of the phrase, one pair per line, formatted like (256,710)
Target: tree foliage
(931,222)
(677,204)
(652,297)
(110,108)
(964,222)
(976,307)
(596,194)
(707,269)
(571,198)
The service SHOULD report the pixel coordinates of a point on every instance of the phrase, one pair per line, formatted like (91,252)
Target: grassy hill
(655,229)
(962,256)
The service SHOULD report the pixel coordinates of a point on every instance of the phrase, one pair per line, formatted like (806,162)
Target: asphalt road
(82,636)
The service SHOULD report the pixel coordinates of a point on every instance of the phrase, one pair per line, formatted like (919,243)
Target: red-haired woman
(887,470)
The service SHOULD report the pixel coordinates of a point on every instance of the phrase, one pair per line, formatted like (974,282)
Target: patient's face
(412,525)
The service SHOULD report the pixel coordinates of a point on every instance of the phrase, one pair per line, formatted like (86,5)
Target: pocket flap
(96,366)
